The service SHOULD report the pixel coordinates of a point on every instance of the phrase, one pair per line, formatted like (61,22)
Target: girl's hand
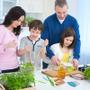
(75,63)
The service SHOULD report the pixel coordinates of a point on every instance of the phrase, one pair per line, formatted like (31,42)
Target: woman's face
(68,41)
(18,22)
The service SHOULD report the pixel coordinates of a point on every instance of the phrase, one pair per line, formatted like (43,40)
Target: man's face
(61,12)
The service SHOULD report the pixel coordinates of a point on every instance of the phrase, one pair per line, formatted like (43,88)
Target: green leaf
(51,81)
(87,73)
(18,80)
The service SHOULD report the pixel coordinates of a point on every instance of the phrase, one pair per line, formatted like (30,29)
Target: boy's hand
(42,53)
(27,48)
(46,42)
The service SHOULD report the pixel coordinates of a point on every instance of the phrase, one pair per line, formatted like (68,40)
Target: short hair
(60,3)
(67,33)
(36,24)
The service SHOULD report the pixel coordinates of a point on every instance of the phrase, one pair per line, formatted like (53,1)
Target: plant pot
(30,88)
(2,87)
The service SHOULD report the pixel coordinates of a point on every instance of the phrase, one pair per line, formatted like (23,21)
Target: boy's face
(68,41)
(35,33)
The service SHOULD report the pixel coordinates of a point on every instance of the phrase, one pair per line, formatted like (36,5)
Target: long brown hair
(14,14)
(67,33)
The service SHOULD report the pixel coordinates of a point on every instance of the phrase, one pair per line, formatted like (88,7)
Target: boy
(32,48)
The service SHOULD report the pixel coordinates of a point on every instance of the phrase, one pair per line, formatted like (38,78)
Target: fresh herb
(18,80)
(87,73)
(51,81)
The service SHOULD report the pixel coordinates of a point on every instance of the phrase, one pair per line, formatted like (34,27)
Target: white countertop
(42,84)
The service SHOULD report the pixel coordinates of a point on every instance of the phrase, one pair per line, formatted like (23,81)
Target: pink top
(8,58)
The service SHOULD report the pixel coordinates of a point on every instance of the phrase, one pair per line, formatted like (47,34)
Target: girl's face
(34,33)
(68,41)
(18,22)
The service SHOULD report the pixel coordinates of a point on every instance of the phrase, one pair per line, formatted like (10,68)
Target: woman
(8,40)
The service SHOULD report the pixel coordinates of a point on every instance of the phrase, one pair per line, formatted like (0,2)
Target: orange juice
(61,71)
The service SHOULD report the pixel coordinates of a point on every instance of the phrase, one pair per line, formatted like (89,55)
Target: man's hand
(55,60)
(75,63)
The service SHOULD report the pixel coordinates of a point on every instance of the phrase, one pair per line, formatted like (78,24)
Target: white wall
(39,9)
(31,6)
(83,18)
(48,8)
(72,4)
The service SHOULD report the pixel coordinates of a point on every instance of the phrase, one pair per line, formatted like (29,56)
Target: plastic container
(69,67)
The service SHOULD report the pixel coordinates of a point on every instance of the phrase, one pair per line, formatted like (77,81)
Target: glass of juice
(61,72)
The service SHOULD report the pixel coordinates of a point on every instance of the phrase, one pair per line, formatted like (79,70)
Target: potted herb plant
(18,80)
(28,19)
(87,73)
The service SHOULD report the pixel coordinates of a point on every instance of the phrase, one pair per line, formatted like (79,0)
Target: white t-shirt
(57,50)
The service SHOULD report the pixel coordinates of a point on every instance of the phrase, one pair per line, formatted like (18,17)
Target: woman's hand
(11,44)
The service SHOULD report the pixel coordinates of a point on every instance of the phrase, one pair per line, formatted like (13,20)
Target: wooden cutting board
(53,73)
(50,72)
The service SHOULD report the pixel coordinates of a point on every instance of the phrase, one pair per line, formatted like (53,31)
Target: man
(54,26)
